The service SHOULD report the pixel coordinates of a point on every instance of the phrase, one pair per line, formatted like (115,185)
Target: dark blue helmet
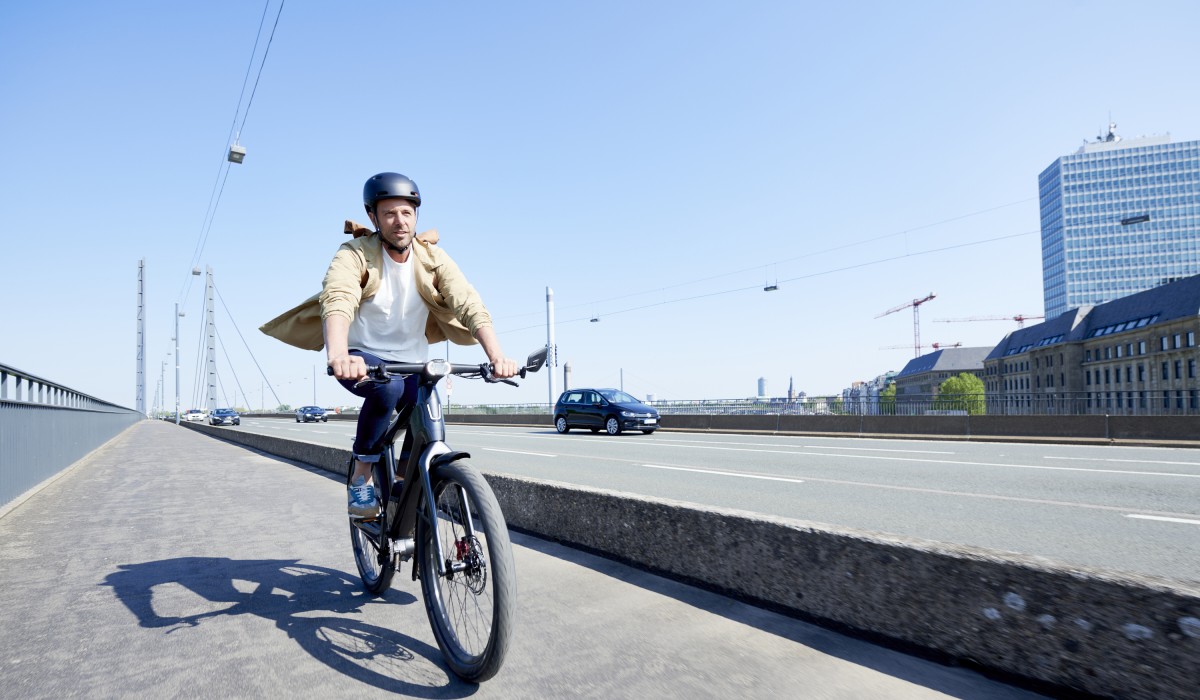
(389,186)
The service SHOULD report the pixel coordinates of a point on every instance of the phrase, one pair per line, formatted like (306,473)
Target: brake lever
(486,371)
(369,378)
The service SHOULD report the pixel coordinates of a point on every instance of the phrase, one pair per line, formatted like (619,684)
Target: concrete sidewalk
(171,564)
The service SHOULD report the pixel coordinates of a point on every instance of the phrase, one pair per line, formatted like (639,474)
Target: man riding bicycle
(386,297)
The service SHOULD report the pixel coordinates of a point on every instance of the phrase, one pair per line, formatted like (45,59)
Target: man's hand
(505,367)
(348,367)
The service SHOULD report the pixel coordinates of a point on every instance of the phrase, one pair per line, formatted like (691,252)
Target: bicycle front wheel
(470,607)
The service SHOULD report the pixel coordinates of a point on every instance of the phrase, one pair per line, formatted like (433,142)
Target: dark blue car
(610,410)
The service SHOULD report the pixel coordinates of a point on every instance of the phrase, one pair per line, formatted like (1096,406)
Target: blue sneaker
(362,502)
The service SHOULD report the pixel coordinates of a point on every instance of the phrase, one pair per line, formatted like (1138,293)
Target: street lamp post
(176,339)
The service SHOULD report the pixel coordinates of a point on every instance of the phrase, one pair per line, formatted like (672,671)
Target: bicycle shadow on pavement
(292,595)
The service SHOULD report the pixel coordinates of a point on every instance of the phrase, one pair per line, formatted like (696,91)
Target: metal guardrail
(1169,402)
(46,427)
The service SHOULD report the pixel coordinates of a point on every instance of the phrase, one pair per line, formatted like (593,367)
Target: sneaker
(362,502)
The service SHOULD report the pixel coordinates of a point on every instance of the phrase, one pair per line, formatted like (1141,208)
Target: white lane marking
(1128,461)
(668,441)
(946,461)
(518,452)
(873,449)
(915,489)
(721,473)
(1165,520)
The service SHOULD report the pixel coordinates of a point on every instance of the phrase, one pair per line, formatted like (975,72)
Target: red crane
(916,306)
(1019,318)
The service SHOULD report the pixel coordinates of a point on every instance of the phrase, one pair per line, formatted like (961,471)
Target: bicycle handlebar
(485,371)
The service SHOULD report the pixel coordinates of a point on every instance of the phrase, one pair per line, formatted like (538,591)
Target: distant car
(194,415)
(304,414)
(224,416)
(610,410)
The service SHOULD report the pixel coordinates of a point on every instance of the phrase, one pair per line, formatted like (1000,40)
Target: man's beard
(393,247)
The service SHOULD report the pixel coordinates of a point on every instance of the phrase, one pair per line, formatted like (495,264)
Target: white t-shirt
(391,324)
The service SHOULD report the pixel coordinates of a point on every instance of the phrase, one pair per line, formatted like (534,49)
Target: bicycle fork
(464,555)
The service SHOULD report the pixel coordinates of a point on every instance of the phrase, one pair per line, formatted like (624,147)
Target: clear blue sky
(655,163)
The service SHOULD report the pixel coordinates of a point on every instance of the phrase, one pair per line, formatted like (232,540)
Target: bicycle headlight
(437,368)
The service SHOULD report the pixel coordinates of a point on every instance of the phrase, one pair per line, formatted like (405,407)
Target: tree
(961,393)
(887,400)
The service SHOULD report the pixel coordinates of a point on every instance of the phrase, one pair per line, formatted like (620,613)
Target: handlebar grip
(329,371)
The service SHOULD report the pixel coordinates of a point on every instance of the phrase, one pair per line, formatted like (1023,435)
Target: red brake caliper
(462,548)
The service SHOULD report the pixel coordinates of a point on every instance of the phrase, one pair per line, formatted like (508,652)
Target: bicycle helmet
(389,186)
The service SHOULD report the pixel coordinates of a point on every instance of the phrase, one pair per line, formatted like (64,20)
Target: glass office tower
(1118,216)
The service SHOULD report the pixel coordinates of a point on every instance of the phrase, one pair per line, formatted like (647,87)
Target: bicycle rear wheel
(366,538)
(471,608)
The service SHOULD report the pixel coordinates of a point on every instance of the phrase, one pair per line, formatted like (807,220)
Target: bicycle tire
(472,611)
(376,576)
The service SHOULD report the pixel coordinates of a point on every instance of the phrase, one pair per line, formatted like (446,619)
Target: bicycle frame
(423,448)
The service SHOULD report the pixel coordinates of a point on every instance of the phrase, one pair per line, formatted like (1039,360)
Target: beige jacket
(456,311)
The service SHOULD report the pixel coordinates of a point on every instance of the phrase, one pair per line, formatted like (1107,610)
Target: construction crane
(935,346)
(916,306)
(1019,318)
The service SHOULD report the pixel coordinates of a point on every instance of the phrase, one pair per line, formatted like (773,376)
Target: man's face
(396,220)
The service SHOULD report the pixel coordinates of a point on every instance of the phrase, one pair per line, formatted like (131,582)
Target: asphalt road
(1117,508)
(169,564)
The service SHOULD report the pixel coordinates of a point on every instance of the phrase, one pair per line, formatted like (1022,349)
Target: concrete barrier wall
(1100,632)
(1038,426)
(1153,427)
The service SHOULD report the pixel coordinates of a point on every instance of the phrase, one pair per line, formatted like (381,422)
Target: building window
(1141,372)
(1141,347)
(1192,400)
(1179,369)
(1162,345)
(1087,355)
(1165,374)
(1119,351)
(1128,374)
(1088,378)
(1191,339)
(1107,353)
(1178,344)
(1192,368)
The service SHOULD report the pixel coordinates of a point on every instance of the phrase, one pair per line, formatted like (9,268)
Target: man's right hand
(348,367)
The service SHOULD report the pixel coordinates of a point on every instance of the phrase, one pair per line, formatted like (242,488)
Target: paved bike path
(171,564)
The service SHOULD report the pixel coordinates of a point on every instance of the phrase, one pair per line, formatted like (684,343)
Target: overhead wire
(809,254)
(792,279)
(235,130)
(247,345)
(214,199)
(223,166)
